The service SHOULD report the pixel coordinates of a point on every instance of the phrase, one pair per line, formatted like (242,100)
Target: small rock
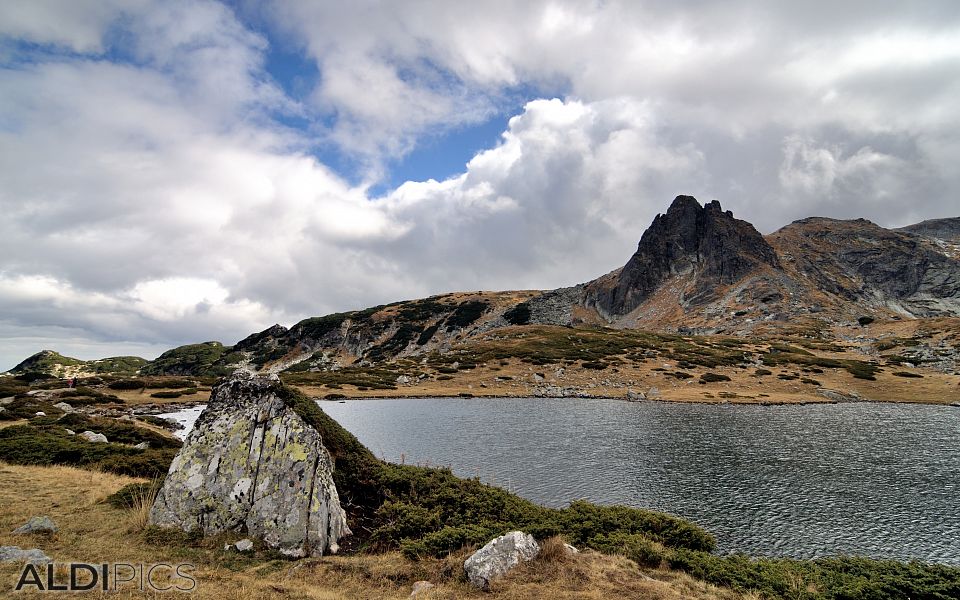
(633,396)
(498,557)
(40,413)
(15,554)
(42,524)
(142,446)
(7,400)
(90,436)
(571,550)
(420,587)
(70,431)
(244,545)
(403,380)
(653,393)
(64,407)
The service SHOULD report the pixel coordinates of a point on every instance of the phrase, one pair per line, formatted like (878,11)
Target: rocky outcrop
(704,242)
(252,464)
(859,263)
(499,556)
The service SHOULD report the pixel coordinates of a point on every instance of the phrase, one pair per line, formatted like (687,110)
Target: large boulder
(499,556)
(252,463)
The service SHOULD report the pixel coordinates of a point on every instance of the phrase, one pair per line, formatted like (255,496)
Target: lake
(880,480)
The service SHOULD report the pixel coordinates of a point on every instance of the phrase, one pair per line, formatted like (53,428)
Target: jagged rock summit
(253,464)
(705,243)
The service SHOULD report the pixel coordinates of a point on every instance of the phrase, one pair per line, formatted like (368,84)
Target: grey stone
(15,554)
(42,524)
(499,556)
(634,396)
(64,407)
(40,413)
(142,446)
(70,431)
(97,438)
(244,545)
(421,587)
(251,463)
(403,380)
(571,550)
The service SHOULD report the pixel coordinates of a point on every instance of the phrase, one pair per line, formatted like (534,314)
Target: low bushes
(31,445)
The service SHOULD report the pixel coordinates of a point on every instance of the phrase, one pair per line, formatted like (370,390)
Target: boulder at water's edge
(252,464)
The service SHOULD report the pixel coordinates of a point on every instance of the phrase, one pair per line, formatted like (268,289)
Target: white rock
(90,436)
(244,545)
(15,554)
(70,431)
(421,587)
(40,413)
(42,524)
(498,557)
(64,407)
(142,446)
(571,550)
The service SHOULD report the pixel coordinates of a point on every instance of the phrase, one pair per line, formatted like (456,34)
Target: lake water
(880,480)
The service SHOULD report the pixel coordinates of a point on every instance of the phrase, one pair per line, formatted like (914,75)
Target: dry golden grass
(92,531)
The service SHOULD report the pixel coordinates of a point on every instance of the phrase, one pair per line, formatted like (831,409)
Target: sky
(180,171)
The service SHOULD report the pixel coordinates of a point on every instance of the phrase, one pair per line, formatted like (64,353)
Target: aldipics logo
(107,577)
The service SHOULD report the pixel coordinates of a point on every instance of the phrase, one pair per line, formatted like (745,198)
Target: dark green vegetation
(49,362)
(781,354)
(208,358)
(841,578)
(45,441)
(427,511)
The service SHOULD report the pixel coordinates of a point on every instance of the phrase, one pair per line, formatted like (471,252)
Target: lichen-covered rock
(499,556)
(251,463)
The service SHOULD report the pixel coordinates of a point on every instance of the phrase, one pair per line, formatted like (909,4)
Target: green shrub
(127,384)
(681,375)
(762,372)
(518,315)
(29,445)
(130,494)
(907,374)
(595,365)
(166,395)
(446,540)
(713,377)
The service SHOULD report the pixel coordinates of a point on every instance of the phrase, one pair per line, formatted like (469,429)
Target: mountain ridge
(697,270)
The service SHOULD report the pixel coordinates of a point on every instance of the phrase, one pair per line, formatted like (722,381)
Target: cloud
(154,191)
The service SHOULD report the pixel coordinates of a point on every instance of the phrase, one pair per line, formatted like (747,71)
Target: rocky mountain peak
(704,242)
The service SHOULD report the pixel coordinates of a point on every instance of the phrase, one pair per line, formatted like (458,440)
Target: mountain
(55,364)
(703,245)
(697,270)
